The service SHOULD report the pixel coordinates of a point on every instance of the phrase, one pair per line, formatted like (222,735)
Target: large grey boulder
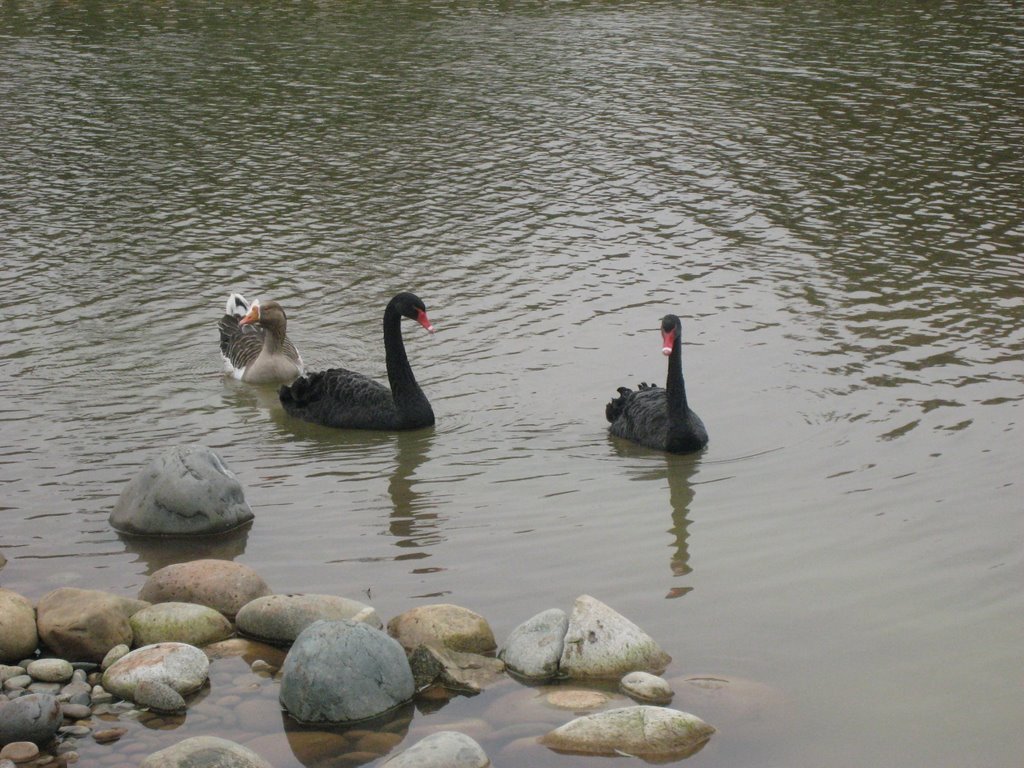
(185,491)
(183,667)
(601,643)
(83,624)
(444,749)
(34,717)
(344,671)
(281,618)
(642,731)
(18,636)
(190,623)
(448,626)
(222,585)
(534,648)
(205,751)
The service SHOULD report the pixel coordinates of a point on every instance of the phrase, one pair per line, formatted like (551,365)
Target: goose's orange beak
(252,317)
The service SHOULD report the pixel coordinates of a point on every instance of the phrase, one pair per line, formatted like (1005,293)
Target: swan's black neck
(410,402)
(675,387)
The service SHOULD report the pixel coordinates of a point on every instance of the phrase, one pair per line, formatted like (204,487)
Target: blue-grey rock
(444,749)
(185,491)
(533,649)
(280,618)
(344,671)
(205,751)
(34,717)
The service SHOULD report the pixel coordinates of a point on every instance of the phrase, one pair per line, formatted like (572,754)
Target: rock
(83,624)
(280,618)
(219,584)
(185,491)
(18,636)
(444,625)
(601,643)
(344,671)
(114,654)
(108,735)
(641,731)
(8,671)
(50,670)
(250,650)
(534,648)
(183,667)
(208,751)
(19,752)
(18,681)
(576,699)
(76,711)
(175,622)
(444,749)
(159,697)
(34,717)
(457,671)
(646,688)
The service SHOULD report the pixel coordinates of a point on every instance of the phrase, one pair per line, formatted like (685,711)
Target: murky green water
(830,197)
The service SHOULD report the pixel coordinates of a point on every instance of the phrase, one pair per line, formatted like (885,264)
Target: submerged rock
(185,491)
(601,643)
(208,751)
(534,648)
(444,749)
(344,671)
(444,625)
(642,731)
(222,585)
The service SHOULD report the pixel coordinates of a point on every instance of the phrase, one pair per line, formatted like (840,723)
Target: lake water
(831,197)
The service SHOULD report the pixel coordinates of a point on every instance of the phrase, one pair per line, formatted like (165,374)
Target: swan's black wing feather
(640,415)
(342,398)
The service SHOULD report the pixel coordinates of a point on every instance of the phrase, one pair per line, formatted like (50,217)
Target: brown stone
(220,584)
(83,624)
(444,625)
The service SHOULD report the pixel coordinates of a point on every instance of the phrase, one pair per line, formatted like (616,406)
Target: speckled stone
(50,670)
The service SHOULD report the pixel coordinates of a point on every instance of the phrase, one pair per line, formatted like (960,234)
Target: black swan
(349,400)
(655,417)
(254,342)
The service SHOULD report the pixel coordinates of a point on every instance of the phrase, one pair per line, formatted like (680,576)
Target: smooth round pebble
(76,711)
(646,688)
(108,735)
(19,751)
(50,670)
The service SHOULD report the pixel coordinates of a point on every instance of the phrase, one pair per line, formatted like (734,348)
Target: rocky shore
(81,661)
(81,670)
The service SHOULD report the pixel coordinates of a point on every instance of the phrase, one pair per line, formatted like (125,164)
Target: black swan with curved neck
(655,417)
(341,398)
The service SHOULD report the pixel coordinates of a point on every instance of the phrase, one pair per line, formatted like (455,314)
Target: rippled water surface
(829,196)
